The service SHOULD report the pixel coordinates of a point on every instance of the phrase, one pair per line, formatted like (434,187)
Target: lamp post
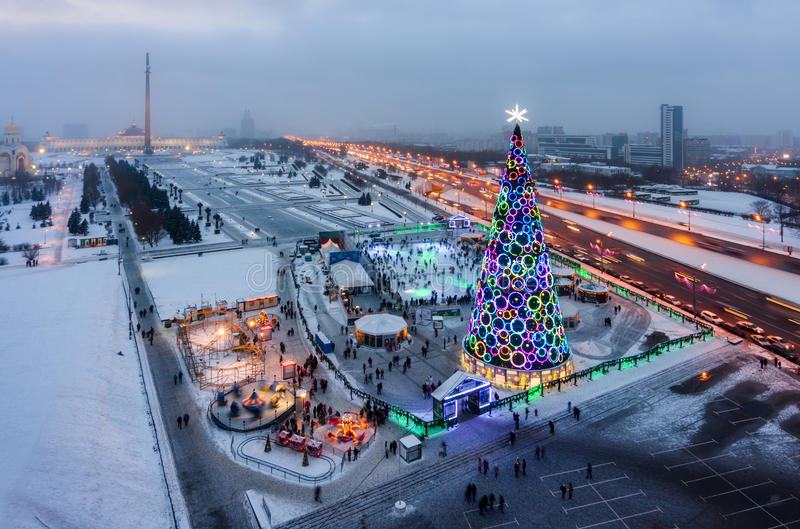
(688,213)
(694,284)
(632,200)
(760,219)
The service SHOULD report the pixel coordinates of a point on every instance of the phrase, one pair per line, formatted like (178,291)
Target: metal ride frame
(201,359)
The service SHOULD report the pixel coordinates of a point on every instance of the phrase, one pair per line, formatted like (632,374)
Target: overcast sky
(335,67)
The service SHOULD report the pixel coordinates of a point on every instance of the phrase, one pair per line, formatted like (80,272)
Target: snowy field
(77,447)
(176,282)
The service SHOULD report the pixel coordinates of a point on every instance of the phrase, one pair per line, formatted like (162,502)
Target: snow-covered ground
(77,447)
(176,282)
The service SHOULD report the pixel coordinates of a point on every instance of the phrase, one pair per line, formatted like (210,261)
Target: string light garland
(516,321)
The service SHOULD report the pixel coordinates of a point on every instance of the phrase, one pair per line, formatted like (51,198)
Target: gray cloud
(314,67)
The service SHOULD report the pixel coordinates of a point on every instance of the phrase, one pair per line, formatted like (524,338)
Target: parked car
(653,292)
(672,299)
(638,284)
(625,277)
(750,327)
(613,273)
(761,340)
(712,317)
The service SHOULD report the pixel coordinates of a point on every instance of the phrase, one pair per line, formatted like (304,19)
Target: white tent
(347,274)
(327,248)
(380,324)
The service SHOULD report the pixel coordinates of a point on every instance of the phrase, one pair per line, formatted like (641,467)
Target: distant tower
(148,149)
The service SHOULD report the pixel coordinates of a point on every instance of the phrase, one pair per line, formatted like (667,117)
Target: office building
(785,139)
(672,137)
(644,154)
(698,151)
(619,145)
(573,146)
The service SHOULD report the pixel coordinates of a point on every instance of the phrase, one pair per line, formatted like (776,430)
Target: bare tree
(761,208)
(31,253)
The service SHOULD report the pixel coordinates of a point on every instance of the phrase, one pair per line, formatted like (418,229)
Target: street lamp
(694,284)
(760,219)
(593,195)
(688,213)
(632,200)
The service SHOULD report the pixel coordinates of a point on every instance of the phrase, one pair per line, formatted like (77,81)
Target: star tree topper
(517,114)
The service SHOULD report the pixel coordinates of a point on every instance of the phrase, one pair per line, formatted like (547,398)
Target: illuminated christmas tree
(516,322)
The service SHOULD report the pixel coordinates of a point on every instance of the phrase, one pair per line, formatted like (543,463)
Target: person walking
(363,521)
(588,470)
(317,492)
(491,501)
(524,466)
(552,427)
(180,422)
(502,504)
(496,471)
(538,452)
(516,469)
(485,466)
(543,451)
(468,493)
(180,377)
(570,490)
(563,491)
(175,380)
(186,419)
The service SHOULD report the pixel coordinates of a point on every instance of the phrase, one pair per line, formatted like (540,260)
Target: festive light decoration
(348,424)
(517,115)
(516,321)
(691,286)
(600,250)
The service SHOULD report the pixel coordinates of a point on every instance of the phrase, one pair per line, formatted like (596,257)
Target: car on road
(653,292)
(780,344)
(733,329)
(750,327)
(625,277)
(760,339)
(669,298)
(638,284)
(712,317)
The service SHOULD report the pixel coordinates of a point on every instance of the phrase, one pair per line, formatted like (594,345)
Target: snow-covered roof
(410,441)
(348,274)
(380,324)
(455,380)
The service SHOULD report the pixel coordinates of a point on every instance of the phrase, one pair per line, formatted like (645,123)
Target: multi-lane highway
(732,302)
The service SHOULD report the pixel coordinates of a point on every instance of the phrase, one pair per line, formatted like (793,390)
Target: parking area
(609,498)
(725,477)
(492,519)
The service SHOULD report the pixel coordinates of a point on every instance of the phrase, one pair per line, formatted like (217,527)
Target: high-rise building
(247,129)
(785,139)
(672,136)
(647,138)
(76,131)
(698,151)
(619,145)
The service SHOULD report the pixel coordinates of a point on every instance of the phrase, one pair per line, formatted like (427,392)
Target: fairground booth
(462,392)
(381,330)
(593,292)
(564,280)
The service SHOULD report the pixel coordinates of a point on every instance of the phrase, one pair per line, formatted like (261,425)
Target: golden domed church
(13,154)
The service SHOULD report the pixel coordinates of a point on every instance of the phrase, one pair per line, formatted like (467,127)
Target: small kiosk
(593,292)
(461,392)
(410,448)
(381,330)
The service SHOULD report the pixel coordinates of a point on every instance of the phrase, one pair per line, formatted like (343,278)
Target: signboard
(336,257)
(93,242)
(288,369)
(256,304)
(438,322)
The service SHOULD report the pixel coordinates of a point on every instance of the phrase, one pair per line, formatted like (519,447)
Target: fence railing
(424,428)
(276,469)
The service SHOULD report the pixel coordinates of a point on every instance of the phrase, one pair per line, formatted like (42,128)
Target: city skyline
(590,68)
